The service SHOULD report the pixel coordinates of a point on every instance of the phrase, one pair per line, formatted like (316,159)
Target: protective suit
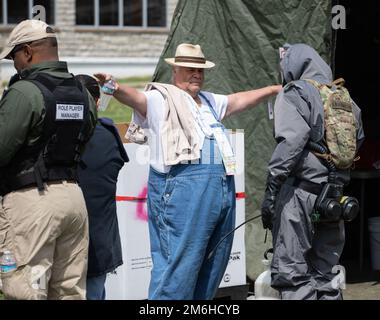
(304,252)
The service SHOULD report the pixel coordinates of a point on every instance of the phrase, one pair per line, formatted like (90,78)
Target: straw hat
(191,56)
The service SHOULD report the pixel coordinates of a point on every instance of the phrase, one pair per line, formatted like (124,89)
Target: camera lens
(332,210)
(350,208)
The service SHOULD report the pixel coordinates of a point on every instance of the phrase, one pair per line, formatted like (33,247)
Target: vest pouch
(350,208)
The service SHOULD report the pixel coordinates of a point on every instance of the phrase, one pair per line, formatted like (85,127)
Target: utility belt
(307,186)
(37,179)
(331,205)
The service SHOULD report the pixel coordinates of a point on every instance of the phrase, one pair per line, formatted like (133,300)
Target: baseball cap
(26,31)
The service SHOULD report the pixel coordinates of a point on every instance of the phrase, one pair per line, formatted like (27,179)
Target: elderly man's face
(188,79)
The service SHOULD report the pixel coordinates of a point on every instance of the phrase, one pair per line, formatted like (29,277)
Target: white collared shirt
(155,115)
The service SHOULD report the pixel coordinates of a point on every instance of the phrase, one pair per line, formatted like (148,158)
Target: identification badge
(226,151)
(69,111)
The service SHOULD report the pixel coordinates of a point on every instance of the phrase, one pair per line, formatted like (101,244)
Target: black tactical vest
(66,128)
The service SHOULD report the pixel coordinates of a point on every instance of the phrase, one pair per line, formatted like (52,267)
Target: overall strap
(209,105)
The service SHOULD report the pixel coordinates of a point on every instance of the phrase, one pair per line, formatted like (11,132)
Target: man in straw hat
(191,191)
(46,117)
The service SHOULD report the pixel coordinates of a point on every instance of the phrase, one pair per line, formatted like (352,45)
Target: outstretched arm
(126,94)
(291,133)
(240,101)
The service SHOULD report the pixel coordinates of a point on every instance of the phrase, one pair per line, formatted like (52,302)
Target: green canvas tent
(242,37)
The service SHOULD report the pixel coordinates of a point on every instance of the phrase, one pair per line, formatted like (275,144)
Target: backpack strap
(319,149)
(339,82)
(315,83)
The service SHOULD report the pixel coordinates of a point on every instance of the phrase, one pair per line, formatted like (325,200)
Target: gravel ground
(362,291)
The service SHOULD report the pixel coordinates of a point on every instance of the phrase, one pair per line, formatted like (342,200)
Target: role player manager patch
(69,111)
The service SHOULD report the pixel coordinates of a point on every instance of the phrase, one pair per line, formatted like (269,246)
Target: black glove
(268,205)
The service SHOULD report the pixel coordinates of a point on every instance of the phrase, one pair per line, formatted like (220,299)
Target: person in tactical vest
(46,117)
(303,202)
(100,165)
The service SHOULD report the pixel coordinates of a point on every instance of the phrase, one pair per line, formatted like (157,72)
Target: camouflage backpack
(340,123)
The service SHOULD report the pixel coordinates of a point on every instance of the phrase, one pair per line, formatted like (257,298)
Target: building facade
(123,37)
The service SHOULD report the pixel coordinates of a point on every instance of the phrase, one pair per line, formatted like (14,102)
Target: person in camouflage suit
(305,253)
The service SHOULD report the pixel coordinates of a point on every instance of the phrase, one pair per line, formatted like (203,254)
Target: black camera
(332,206)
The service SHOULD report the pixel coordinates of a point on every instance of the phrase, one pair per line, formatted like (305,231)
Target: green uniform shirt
(22,111)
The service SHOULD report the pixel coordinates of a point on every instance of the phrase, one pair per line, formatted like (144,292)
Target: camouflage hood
(301,61)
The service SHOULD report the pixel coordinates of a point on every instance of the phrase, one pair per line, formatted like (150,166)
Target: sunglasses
(18,48)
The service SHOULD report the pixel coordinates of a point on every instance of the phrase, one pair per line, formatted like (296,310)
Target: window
(156,13)
(17,11)
(85,12)
(13,12)
(133,13)
(1,12)
(108,12)
(119,13)
(49,9)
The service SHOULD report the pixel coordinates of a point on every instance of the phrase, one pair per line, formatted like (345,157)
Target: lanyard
(218,130)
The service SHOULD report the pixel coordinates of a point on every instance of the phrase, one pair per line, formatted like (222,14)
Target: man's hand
(276,89)
(104,77)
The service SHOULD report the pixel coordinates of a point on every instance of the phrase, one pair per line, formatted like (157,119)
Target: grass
(117,112)
(121,113)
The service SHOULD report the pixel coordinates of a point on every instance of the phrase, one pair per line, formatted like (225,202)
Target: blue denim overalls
(190,209)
